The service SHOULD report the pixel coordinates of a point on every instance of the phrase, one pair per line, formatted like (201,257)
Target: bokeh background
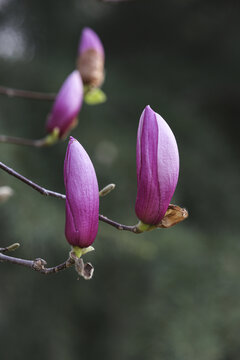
(165,295)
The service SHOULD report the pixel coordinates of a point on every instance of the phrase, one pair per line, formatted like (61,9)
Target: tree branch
(83,269)
(26,94)
(37,264)
(36,187)
(46,192)
(21,141)
(119,226)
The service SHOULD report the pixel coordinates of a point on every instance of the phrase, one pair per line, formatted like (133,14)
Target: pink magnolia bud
(82,196)
(67,105)
(90,61)
(157,167)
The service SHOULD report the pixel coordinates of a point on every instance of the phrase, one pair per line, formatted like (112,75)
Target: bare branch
(20,141)
(37,264)
(48,140)
(26,94)
(46,192)
(36,187)
(119,226)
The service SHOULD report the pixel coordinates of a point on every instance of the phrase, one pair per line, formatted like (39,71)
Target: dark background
(165,295)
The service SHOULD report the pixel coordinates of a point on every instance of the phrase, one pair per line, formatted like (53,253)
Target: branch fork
(39,265)
(173,215)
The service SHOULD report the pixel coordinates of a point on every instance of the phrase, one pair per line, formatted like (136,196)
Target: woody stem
(26,94)
(46,192)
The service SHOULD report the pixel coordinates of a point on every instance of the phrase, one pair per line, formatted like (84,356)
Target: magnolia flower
(91,56)
(157,167)
(67,105)
(82,196)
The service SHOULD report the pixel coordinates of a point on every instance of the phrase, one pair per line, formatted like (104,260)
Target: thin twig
(26,94)
(46,192)
(10,248)
(21,141)
(36,187)
(37,264)
(50,139)
(117,225)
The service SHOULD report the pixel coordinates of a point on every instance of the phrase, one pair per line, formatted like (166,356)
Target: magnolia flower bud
(67,105)
(157,167)
(90,61)
(82,196)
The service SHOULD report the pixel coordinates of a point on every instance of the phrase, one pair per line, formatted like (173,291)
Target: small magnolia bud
(67,105)
(157,167)
(5,193)
(106,190)
(90,62)
(82,197)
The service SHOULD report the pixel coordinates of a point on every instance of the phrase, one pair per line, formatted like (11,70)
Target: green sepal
(141,227)
(81,251)
(94,96)
(53,137)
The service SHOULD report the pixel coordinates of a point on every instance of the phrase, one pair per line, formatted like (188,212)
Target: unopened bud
(13,247)
(90,62)
(66,107)
(106,190)
(157,167)
(82,197)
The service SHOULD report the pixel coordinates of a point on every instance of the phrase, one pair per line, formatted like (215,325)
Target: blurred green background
(165,295)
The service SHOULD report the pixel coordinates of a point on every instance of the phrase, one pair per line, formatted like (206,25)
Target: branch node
(45,192)
(39,264)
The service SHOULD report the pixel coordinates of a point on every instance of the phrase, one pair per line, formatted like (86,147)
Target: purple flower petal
(90,41)
(82,196)
(67,104)
(157,167)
